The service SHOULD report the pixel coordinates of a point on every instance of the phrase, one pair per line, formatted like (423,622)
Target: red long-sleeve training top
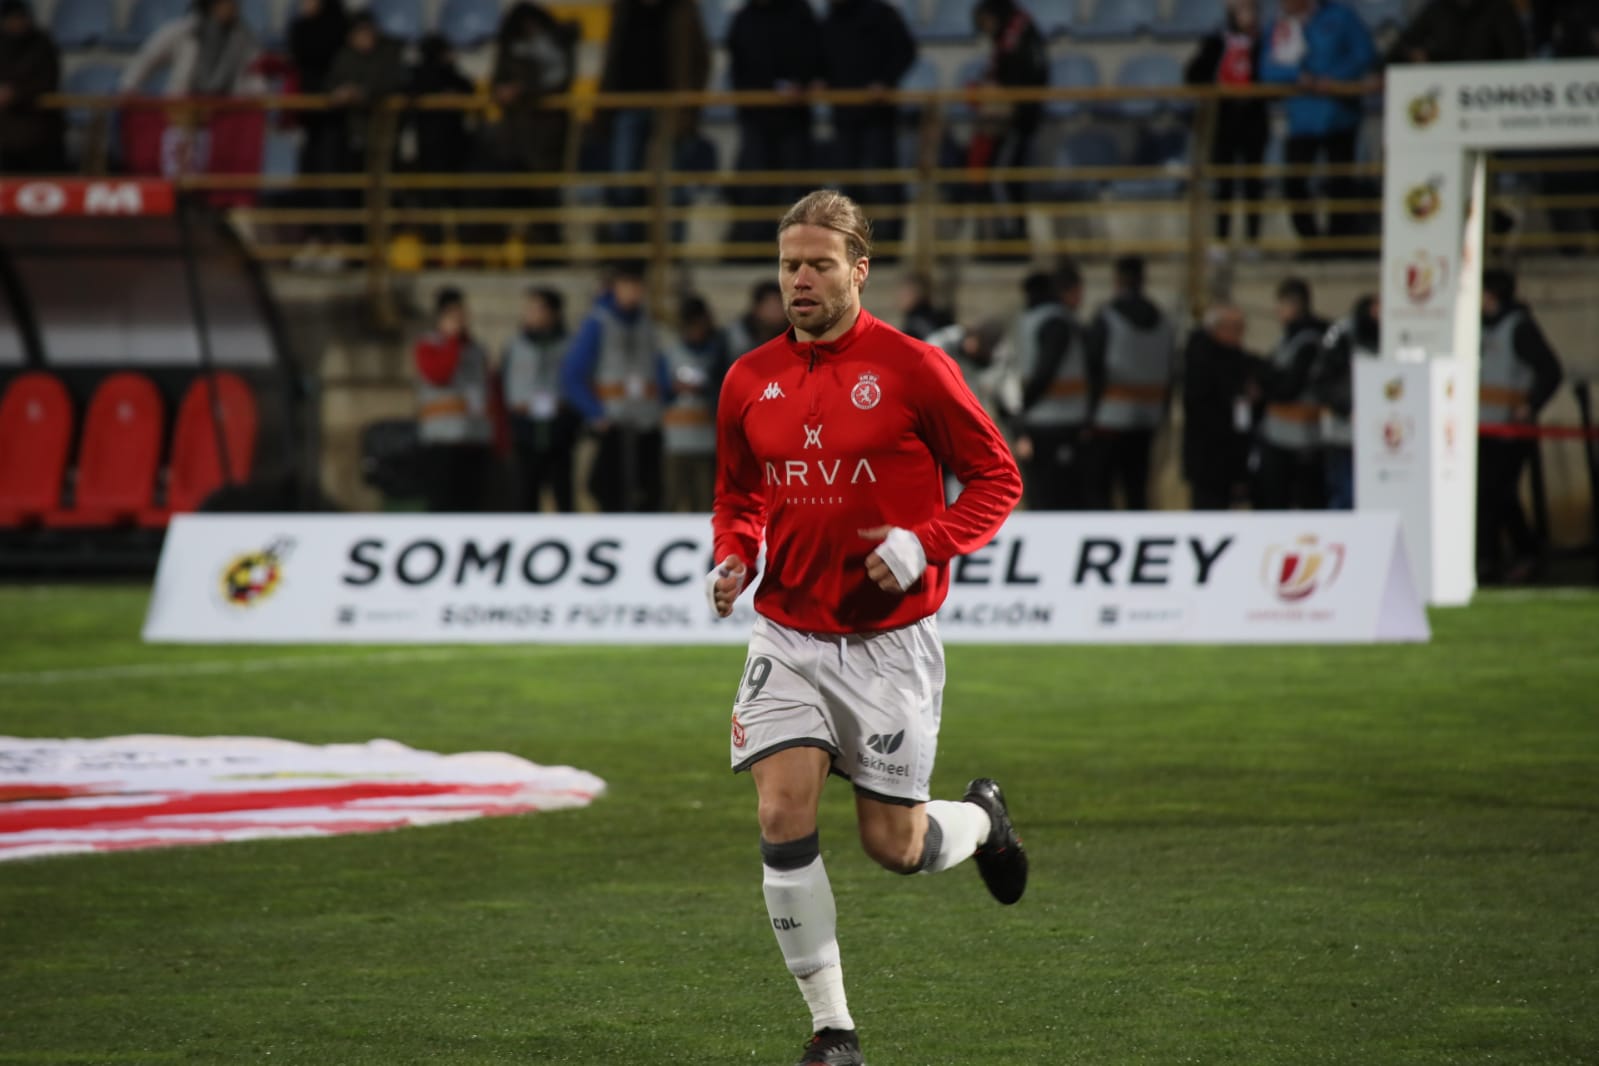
(816,442)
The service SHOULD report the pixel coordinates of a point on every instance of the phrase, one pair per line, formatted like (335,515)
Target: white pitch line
(203,668)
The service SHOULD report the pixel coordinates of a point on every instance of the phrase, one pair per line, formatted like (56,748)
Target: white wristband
(903,555)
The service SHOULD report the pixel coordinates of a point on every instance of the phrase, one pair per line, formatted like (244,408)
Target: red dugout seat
(196,469)
(35,436)
(119,456)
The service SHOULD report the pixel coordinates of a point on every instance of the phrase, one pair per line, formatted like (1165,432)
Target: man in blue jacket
(616,376)
(1318,44)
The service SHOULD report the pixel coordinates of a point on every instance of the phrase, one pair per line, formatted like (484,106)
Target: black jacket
(773,42)
(865,42)
(1286,384)
(314,42)
(1333,378)
(1235,119)
(1214,377)
(30,136)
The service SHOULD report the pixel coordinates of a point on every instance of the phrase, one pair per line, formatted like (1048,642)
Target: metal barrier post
(1590,450)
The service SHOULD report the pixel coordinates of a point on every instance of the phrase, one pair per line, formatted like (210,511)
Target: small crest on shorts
(866,394)
(740,738)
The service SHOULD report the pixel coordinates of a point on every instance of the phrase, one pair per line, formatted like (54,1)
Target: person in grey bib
(543,428)
(1290,475)
(1132,350)
(1355,336)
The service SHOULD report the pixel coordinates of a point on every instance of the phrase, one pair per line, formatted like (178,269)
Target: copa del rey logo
(1296,572)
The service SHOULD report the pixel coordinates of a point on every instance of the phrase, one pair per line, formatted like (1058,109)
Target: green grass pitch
(1373,856)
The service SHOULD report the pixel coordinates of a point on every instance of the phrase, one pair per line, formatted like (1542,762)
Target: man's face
(1287,311)
(1229,329)
(452,320)
(224,12)
(1490,303)
(363,38)
(628,293)
(15,24)
(1295,8)
(1072,297)
(536,315)
(820,283)
(1246,13)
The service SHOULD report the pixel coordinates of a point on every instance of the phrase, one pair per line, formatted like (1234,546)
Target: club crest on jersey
(866,394)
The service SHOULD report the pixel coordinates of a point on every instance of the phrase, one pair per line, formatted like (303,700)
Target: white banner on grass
(1299,578)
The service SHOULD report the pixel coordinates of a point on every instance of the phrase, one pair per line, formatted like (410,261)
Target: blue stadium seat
(1190,20)
(468,23)
(948,20)
(400,19)
(1117,20)
(1169,149)
(280,155)
(1074,70)
(1149,70)
(257,14)
(91,79)
(1085,148)
(720,113)
(81,23)
(1055,18)
(1381,14)
(146,17)
(718,16)
(922,77)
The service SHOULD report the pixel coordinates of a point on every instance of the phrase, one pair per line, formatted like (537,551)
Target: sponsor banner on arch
(1046,578)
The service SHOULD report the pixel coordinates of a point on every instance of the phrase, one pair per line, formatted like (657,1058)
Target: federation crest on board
(866,394)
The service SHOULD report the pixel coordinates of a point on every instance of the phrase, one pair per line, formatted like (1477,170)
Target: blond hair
(833,210)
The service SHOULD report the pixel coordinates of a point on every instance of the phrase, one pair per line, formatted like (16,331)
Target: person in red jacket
(832,440)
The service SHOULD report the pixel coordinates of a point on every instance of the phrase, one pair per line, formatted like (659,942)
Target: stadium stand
(1190,19)
(947,20)
(147,17)
(1149,70)
(1055,18)
(1090,147)
(1381,15)
(35,437)
(90,79)
(922,77)
(469,23)
(401,19)
(1073,70)
(257,14)
(718,15)
(79,24)
(199,466)
(1114,20)
(1168,148)
(118,457)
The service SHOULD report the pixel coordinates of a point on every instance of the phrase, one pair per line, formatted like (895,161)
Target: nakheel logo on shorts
(884,744)
(253,576)
(1296,572)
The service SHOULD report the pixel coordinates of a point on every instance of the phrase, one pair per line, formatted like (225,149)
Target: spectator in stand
(617,378)
(866,45)
(1051,353)
(1520,374)
(1462,31)
(1018,58)
(206,53)
(1230,58)
(773,45)
(1355,336)
(316,36)
(1132,348)
(1319,45)
(453,421)
(543,429)
(697,360)
(444,140)
(534,58)
(922,317)
(31,138)
(1220,390)
(764,320)
(656,46)
(1291,474)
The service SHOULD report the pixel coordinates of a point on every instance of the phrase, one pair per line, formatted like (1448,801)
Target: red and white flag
(59,797)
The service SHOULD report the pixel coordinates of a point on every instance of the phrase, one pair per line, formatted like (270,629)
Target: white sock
(805,919)
(954,831)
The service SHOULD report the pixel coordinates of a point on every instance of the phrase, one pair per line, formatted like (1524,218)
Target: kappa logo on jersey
(774,391)
(866,394)
(813,437)
(884,744)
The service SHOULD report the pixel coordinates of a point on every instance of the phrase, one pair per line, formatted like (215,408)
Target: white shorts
(872,702)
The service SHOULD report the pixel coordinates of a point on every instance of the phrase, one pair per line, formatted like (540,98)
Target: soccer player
(832,440)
